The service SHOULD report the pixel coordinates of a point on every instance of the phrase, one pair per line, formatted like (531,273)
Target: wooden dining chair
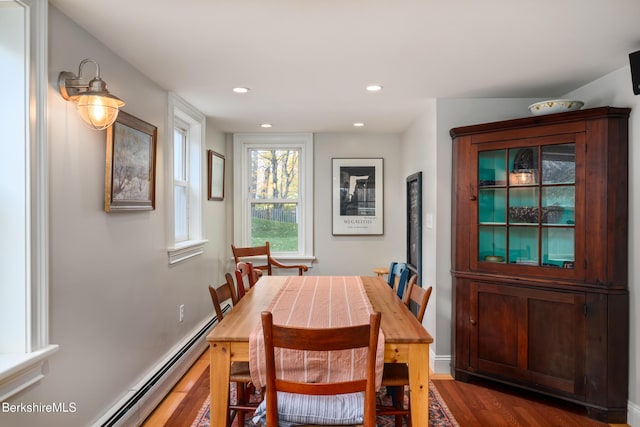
(396,375)
(239,374)
(222,293)
(263,253)
(417,298)
(246,277)
(328,339)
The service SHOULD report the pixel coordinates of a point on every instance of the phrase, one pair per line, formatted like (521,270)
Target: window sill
(185,250)
(19,371)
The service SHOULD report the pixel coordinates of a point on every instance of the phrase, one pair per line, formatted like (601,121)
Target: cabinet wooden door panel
(556,343)
(496,327)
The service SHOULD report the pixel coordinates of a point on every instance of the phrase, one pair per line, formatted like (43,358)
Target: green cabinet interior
(523,219)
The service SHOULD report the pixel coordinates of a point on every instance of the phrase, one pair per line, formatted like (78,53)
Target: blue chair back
(398,270)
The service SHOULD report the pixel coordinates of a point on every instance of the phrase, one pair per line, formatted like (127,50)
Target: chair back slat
(407,292)
(240,255)
(260,257)
(246,277)
(418,295)
(222,293)
(421,297)
(232,288)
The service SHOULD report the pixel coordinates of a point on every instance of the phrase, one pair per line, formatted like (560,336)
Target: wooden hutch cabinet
(540,256)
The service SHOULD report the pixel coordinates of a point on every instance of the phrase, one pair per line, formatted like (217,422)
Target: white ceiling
(307,62)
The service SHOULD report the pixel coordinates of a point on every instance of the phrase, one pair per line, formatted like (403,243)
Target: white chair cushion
(296,409)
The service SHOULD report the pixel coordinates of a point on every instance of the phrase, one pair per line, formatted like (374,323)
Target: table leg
(419,384)
(220,365)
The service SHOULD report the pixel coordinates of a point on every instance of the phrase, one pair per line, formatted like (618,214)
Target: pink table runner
(317,302)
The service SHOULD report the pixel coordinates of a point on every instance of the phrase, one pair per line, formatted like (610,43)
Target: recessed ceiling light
(241,89)
(358,124)
(374,88)
(265,125)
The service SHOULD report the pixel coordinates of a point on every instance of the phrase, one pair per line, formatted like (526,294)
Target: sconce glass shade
(522,177)
(97,111)
(97,107)
(524,170)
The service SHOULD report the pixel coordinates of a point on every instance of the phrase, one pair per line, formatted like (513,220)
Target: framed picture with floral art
(130,170)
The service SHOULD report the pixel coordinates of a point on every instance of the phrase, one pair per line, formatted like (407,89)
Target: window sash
(180,154)
(244,200)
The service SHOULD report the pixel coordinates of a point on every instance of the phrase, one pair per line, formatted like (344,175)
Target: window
(180,181)
(184,159)
(24,274)
(274,198)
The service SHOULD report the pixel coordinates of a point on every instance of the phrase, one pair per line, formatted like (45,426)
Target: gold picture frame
(130,170)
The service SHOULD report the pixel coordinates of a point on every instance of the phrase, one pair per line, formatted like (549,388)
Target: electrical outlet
(181,318)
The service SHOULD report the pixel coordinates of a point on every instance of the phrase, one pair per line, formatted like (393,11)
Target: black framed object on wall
(414,224)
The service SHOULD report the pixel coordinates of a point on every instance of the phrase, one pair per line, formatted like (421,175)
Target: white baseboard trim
(142,398)
(440,364)
(633,414)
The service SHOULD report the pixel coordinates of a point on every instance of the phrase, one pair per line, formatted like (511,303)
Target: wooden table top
(398,323)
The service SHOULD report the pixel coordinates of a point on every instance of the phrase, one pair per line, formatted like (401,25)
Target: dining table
(405,341)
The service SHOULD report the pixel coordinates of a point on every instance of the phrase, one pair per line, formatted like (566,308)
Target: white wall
(615,89)
(426,146)
(358,255)
(114,298)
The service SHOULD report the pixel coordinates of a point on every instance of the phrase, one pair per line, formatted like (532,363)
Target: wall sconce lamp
(524,168)
(96,105)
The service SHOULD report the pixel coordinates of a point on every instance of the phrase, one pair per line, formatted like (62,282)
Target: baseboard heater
(123,411)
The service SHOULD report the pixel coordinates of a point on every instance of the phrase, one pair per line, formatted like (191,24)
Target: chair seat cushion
(300,409)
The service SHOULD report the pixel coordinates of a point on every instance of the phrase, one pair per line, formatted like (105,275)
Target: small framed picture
(357,197)
(130,170)
(215,175)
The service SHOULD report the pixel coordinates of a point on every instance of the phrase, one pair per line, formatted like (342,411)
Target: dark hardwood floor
(486,403)
(475,404)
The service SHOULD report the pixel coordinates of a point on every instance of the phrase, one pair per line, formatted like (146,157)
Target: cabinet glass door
(492,202)
(526,205)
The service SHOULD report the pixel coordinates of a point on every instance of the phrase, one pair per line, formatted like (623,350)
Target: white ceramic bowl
(555,106)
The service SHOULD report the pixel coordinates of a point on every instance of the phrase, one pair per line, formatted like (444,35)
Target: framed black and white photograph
(130,171)
(215,182)
(357,206)
(414,223)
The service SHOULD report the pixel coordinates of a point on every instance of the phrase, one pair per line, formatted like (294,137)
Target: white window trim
(241,143)
(20,370)
(179,109)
